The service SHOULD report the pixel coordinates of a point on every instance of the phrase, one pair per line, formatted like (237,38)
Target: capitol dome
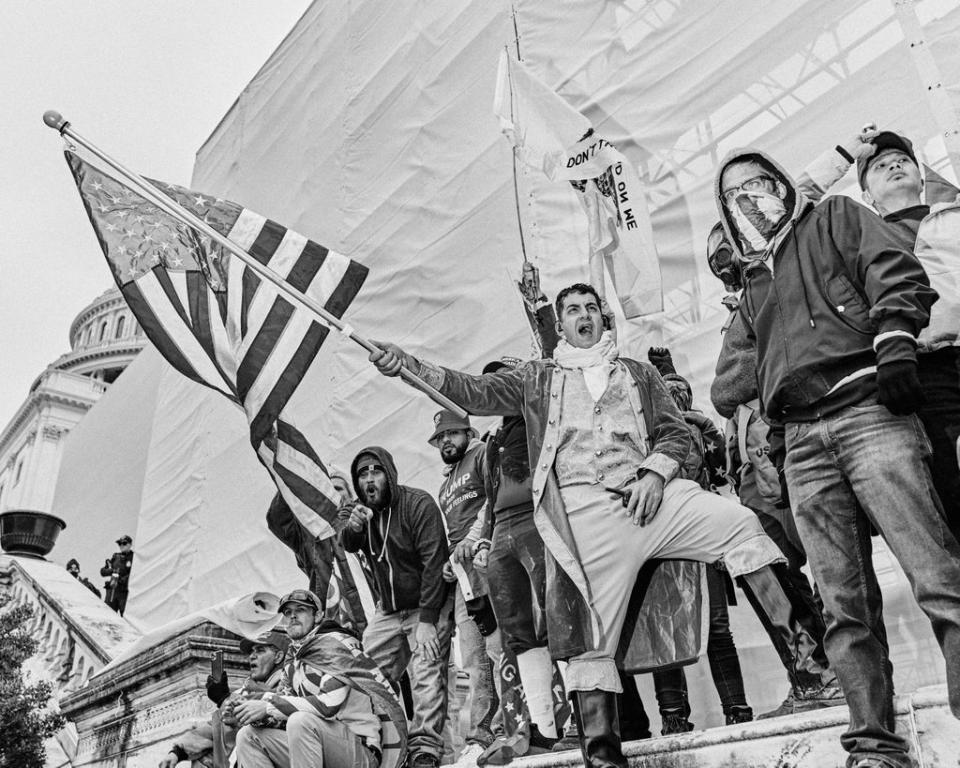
(104,339)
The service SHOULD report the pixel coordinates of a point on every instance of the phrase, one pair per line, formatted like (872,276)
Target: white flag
(551,136)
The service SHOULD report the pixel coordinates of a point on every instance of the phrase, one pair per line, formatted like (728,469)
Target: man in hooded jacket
(400,531)
(834,302)
(608,441)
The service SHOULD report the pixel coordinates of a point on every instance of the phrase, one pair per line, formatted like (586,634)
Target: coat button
(549,446)
(599,453)
(552,421)
(543,466)
(597,409)
(554,394)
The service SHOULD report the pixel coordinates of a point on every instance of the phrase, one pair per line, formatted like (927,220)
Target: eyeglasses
(762,183)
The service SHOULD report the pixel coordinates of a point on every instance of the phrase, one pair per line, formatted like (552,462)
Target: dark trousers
(940,377)
(780,526)
(516,573)
(671,684)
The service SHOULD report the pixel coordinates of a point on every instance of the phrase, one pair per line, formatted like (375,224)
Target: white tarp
(370,130)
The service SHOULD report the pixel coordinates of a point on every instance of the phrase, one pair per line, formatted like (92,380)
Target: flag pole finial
(55,120)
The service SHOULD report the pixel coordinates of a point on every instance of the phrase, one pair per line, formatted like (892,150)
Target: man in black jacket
(834,302)
(400,530)
(117,572)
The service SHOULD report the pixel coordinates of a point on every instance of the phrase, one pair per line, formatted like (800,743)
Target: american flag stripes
(218,323)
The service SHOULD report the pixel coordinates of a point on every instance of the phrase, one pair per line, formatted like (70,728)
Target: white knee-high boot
(536,675)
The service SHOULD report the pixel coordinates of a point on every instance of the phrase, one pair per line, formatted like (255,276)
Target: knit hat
(885,140)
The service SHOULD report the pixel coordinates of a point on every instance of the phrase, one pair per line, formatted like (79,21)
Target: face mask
(757,216)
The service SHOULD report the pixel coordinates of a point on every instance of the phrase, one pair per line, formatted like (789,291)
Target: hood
(389,467)
(795,201)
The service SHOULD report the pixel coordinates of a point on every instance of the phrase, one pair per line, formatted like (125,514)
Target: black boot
(674,721)
(738,714)
(796,634)
(596,714)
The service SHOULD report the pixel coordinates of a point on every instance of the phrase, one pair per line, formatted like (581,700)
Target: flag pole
(55,120)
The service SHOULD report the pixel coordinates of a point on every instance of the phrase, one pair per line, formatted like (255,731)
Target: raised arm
(492,394)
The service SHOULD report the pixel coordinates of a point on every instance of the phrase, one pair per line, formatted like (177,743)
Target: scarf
(757,216)
(596,362)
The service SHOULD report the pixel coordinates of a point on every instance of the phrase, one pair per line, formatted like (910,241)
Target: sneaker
(738,715)
(468,755)
(423,760)
(674,722)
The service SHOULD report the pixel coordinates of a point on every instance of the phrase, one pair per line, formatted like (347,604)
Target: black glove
(661,359)
(898,387)
(217,690)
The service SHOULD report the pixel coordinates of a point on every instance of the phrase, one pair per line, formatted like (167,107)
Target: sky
(147,82)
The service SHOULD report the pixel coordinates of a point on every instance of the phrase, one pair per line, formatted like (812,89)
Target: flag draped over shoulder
(551,136)
(218,323)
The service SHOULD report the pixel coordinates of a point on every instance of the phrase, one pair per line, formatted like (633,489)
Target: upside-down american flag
(218,323)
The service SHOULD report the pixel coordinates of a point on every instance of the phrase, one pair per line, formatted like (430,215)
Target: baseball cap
(884,140)
(444,420)
(301,597)
(124,540)
(272,638)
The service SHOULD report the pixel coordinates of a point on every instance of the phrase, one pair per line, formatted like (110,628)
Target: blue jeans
(479,656)
(388,640)
(859,466)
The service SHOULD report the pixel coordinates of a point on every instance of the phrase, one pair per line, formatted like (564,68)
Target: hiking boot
(738,715)
(807,699)
(818,697)
(674,722)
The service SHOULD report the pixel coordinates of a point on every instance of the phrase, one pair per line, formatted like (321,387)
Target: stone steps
(808,740)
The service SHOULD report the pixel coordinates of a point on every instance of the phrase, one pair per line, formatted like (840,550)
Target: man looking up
(893,183)
(835,334)
(336,706)
(608,441)
(400,531)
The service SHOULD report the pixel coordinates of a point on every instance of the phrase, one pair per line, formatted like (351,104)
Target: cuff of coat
(432,374)
(895,346)
(591,674)
(429,615)
(662,464)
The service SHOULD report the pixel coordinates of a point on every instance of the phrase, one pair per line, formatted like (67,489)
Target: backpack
(749,451)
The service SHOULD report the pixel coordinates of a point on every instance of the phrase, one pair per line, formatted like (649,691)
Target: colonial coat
(669,626)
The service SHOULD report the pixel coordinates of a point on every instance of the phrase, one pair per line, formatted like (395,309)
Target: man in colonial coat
(606,442)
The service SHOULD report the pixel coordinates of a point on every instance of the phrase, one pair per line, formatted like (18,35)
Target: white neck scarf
(596,362)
